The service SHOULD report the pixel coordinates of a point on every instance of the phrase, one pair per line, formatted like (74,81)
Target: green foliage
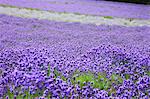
(28,95)
(56,73)
(148,73)
(134,1)
(98,81)
(116,78)
(83,78)
(127,76)
(10,95)
(108,17)
(48,71)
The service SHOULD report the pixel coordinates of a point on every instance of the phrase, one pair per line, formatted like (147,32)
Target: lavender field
(76,58)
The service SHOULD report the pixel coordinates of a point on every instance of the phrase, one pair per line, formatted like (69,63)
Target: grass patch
(148,73)
(108,17)
(99,81)
(48,71)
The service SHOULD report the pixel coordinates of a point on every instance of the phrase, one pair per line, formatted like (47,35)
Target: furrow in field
(71,17)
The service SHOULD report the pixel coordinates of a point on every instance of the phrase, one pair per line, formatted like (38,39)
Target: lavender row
(91,7)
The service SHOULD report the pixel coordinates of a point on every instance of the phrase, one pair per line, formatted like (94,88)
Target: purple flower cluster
(45,59)
(91,7)
(133,67)
(21,33)
(27,70)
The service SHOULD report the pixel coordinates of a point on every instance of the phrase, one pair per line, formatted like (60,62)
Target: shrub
(133,1)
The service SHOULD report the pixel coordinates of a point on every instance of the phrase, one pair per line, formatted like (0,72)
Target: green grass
(100,81)
(108,17)
(148,73)
(10,95)
(127,76)
(48,71)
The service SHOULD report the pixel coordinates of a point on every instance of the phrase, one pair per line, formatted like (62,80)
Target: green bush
(133,1)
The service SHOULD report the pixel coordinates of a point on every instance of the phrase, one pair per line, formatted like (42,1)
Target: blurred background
(133,1)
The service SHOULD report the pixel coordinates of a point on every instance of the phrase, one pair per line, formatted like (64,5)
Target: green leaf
(48,71)
(148,73)
(127,76)
(56,73)
(10,95)
(108,17)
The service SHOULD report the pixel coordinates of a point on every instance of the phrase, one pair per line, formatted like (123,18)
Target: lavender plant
(36,80)
(43,59)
